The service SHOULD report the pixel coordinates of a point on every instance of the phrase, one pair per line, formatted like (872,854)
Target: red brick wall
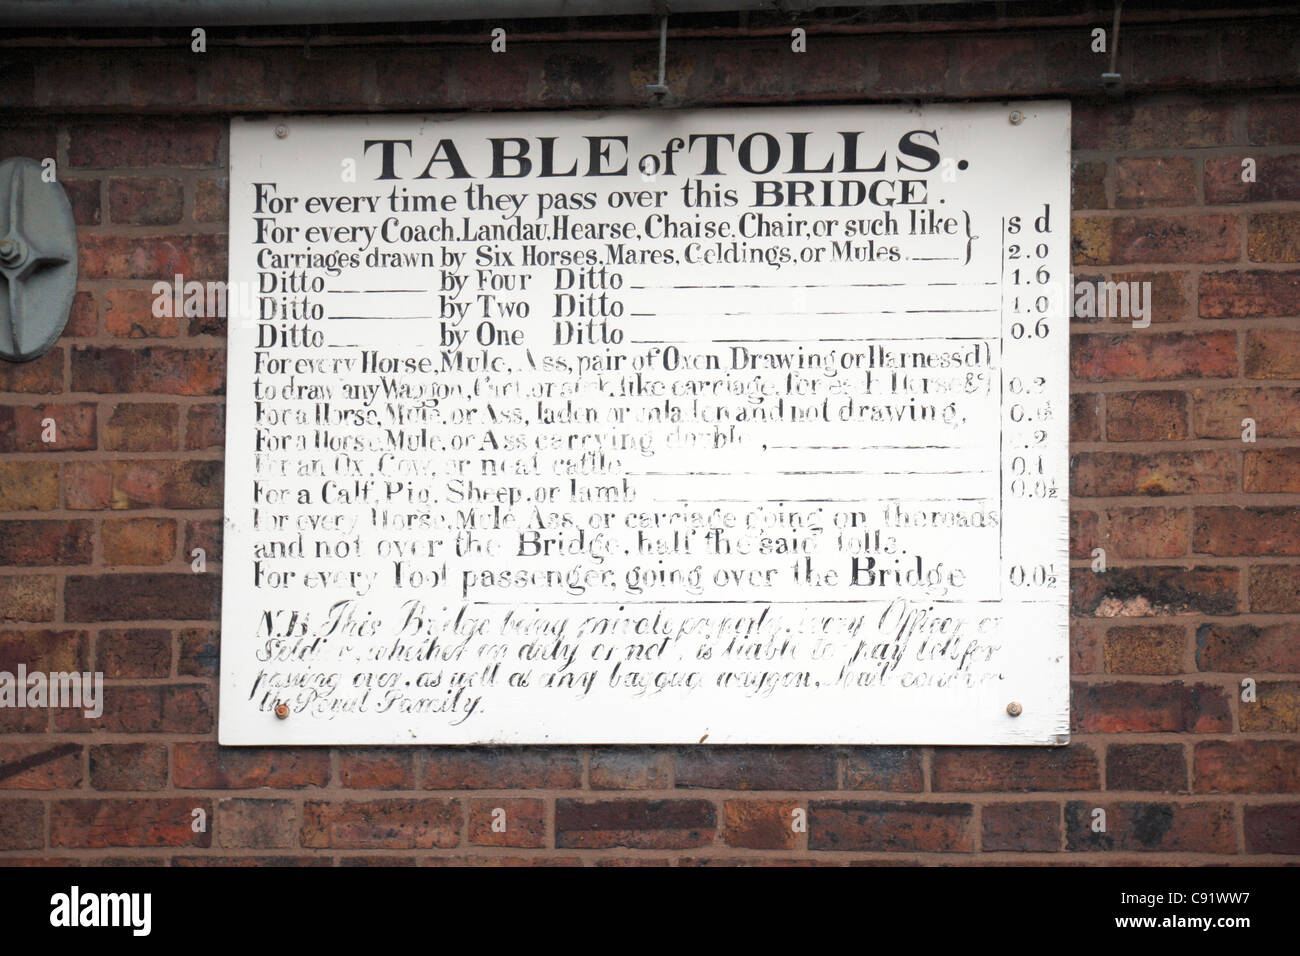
(1201,529)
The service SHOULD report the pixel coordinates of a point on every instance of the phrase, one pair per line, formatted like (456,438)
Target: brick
(760,824)
(145,141)
(24,427)
(1085,533)
(208,766)
(401,77)
(1145,649)
(246,78)
(205,427)
(144,822)
(162,79)
(980,769)
(1153,591)
(1236,531)
(152,369)
(257,824)
(128,767)
(1275,710)
(883,768)
(84,319)
(381,824)
(1153,124)
(1157,767)
(140,653)
(757,768)
(634,824)
(83,79)
(1127,240)
(39,376)
(1085,417)
(523,819)
(141,426)
(40,766)
(1273,120)
(1085,643)
(42,542)
(210,199)
(1154,181)
(34,142)
(1154,357)
(1248,647)
(153,201)
(890,826)
(28,486)
(1146,416)
(1219,413)
(1251,294)
(1130,707)
(43,650)
(27,597)
(1275,588)
(1277,179)
(377,768)
(139,541)
(1020,827)
(142,597)
(83,196)
(328,78)
(167,484)
(1273,829)
(631,768)
(199,652)
(22,824)
(1146,532)
(1161,827)
(512,768)
(188,709)
(1088,185)
(87,486)
(153,708)
(1107,474)
(1271,237)
(1247,766)
(130,314)
(1272,353)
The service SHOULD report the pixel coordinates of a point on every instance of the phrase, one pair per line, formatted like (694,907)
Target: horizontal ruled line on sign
(813,285)
(764,474)
(386,318)
(371,291)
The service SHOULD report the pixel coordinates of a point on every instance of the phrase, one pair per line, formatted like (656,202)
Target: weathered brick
(1275,588)
(199,652)
(27,597)
(205,427)
(1085,533)
(22,824)
(757,768)
(1180,123)
(146,141)
(1106,474)
(1277,179)
(141,426)
(1248,647)
(1153,590)
(1276,709)
(104,823)
(130,314)
(1020,827)
(167,484)
(513,768)
(1154,181)
(1146,416)
(83,196)
(43,650)
(39,765)
(128,766)
(1237,531)
(1085,417)
(1145,649)
(1153,357)
(978,769)
(635,824)
(153,201)
(1272,353)
(45,542)
(1088,185)
(890,826)
(26,427)
(39,376)
(208,766)
(142,597)
(139,541)
(631,768)
(159,369)
(1247,766)
(760,824)
(1220,413)
(1252,294)
(1162,827)
(884,768)
(1274,828)
(377,768)
(1130,707)
(381,824)
(1271,237)
(210,199)
(28,486)
(1127,240)
(502,821)
(1146,532)
(1160,767)
(137,653)
(256,823)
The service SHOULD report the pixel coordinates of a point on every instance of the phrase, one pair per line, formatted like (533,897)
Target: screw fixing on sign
(282,711)
(1014,708)
(38,260)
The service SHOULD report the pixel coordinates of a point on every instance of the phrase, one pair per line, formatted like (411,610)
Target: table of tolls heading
(725,426)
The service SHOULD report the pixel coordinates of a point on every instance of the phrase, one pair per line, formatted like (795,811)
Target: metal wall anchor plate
(38,260)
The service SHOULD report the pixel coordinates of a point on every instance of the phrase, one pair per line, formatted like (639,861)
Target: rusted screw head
(1016,117)
(281,131)
(1014,708)
(282,711)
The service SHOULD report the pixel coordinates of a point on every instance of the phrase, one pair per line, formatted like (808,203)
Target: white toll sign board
(728,426)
